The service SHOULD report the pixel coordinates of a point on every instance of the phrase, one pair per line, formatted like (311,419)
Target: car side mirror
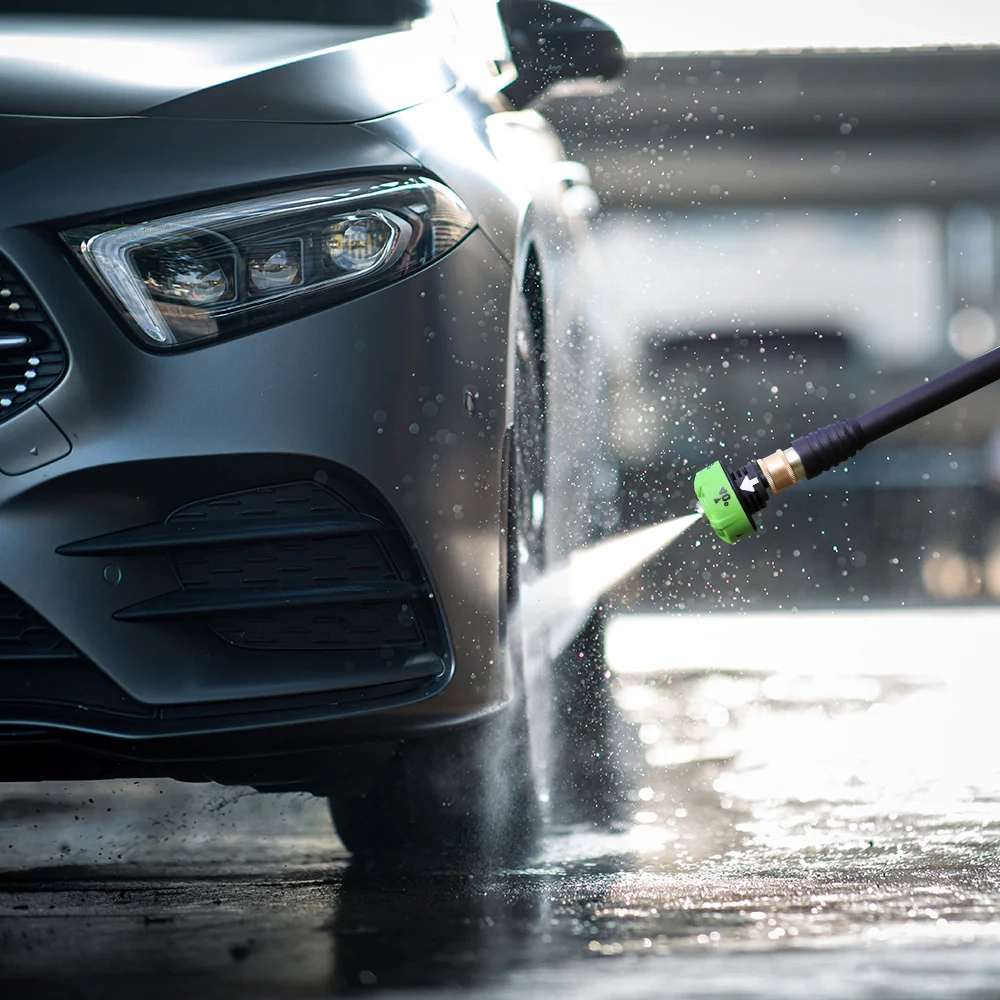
(552,41)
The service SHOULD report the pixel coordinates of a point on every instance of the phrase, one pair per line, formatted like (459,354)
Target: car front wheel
(469,795)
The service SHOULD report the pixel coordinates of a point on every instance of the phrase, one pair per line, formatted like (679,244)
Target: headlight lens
(225,271)
(357,243)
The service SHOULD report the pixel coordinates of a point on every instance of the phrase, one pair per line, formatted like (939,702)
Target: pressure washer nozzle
(720,505)
(728,500)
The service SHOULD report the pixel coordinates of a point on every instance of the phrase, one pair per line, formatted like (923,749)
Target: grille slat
(32,357)
(26,635)
(194,534)
(212,600)
(288,567)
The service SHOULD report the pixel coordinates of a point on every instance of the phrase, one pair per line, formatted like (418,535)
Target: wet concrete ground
(827,827)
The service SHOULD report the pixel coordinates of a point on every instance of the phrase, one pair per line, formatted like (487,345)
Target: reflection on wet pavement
(825,826)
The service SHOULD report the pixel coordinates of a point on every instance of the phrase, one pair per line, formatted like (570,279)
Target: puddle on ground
(822,827)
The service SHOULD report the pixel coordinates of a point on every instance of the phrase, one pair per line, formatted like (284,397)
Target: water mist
(554,609)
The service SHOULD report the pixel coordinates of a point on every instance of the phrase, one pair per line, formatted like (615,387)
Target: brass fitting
(782,470)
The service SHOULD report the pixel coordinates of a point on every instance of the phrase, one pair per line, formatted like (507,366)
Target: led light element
(181,271)
(357,242)
(280,269)
(222,272)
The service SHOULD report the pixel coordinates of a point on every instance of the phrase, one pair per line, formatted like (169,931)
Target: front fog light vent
(32,358)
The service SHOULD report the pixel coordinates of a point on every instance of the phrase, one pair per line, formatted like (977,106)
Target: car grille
(32,357)
(39,666)
(286,567)
(312,578)
(25,635)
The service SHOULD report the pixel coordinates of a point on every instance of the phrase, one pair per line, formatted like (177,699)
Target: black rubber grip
(829,446)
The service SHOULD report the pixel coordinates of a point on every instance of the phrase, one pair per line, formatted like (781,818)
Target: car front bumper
(395,401)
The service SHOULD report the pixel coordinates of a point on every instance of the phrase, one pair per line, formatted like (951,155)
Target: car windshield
(362,12)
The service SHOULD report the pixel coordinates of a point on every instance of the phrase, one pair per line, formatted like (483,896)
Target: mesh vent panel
(32,358)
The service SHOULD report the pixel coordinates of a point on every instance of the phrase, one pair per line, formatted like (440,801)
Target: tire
(468,796)
(464,798)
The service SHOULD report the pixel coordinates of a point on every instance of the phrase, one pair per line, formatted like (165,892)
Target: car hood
(90,67)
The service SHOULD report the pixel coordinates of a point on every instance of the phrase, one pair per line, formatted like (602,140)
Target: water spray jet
(729,499)
(559,601)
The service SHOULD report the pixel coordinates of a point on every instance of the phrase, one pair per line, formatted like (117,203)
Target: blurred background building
(789,237)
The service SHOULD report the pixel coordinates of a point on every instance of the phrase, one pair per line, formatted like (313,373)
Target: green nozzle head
(720,505)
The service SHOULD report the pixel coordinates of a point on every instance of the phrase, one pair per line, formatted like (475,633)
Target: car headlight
(221,272)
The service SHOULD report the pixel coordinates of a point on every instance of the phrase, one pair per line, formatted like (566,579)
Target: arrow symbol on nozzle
(748,484)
